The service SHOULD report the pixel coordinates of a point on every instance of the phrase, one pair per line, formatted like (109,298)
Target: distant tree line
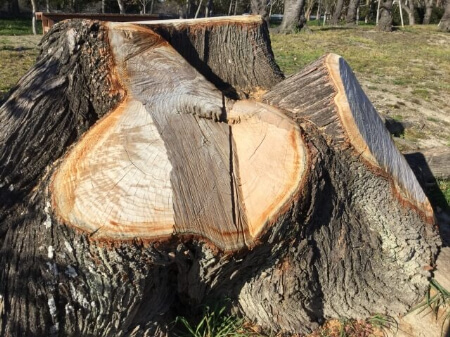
(296,13)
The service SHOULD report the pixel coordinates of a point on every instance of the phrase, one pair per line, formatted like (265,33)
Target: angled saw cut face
(165,162)
(366,132)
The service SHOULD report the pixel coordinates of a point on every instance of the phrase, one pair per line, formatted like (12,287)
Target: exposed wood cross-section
(147,169)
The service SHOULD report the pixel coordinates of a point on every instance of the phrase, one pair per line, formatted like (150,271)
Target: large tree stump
(133,187)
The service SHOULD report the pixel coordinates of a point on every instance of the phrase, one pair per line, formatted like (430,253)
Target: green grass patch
(432,119)
(422,93)
(17,55)
(18,27)
(214,322)
(436,300)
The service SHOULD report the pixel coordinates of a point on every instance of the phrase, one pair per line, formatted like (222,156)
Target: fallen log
(133,187)
(430,164)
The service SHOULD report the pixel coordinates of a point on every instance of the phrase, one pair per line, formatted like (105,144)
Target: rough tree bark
(337,12)
(132,188)
(385,16)
(444,24)
(293,16)
(352,10)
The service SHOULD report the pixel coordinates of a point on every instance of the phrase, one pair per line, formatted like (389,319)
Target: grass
(437,302)
(404,56)
(18,27)
(216,322)
(213,322)
(412,64)
(17,55)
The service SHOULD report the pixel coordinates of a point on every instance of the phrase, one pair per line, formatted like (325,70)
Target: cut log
(350,121)
(430,164)
(215,45)
(134,188)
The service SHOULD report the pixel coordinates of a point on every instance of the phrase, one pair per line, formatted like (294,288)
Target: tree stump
(146,169)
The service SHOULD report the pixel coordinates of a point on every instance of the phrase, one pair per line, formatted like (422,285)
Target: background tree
(309,7)
(121,4)
(260,7)
(428,11)
(444,24)
(13,7)
(293,17)
(33,13)
(385,16)
(409,7)
(337,12)
(352,11)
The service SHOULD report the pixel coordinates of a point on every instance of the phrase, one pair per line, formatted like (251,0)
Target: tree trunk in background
(230,8)
(409,8)
(444,24)
(293,16)
(337,12)
(352,11)
(428,11)
(209,8)
(309,7)
(198,9)
(385,16)
(33,19)
(152,3)
(146,170)
(259,7)
(121,4)
(190,9)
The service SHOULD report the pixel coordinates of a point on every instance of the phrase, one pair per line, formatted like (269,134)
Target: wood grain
(328,94)
(233,53)
(369,136)
(172,159)
(272,160)
(116,182)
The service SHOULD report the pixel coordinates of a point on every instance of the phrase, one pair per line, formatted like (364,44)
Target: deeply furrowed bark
(133,189)
(212,48)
